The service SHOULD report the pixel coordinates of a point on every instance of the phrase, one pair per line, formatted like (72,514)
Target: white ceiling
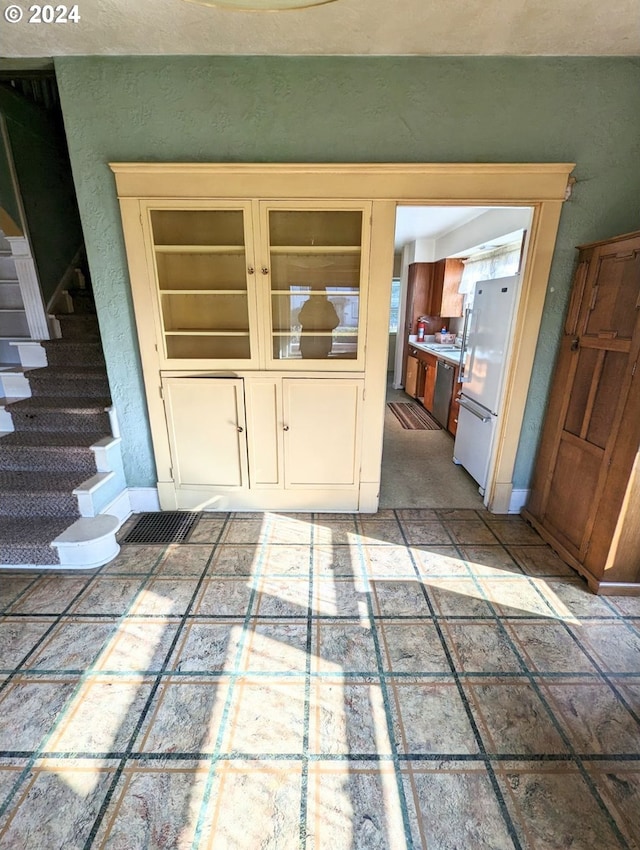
(430,222)
(344,27)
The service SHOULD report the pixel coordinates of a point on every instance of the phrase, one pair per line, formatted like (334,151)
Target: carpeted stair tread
(34,530)
(54,439)
(27,540)
(67,403)
(39,482)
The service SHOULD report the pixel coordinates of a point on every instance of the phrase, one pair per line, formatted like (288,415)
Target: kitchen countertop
(452,357)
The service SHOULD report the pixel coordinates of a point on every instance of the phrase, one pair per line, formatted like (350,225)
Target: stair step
(82,326)
(63,351)
(39,494)
(61,413)
(49,451)
(27,540)
(69,381)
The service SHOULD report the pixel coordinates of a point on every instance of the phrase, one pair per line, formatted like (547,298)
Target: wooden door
(206,425)
(321,432)
(576,485)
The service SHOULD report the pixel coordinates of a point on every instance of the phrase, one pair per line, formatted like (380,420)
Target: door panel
(575,479)
(206,422)
(264,432)
(322,440)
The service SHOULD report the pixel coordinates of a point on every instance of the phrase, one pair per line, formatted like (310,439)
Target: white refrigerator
(482,372)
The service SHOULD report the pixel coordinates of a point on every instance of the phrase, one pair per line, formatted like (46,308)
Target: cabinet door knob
(251,270)
(265,270)
(240,429)
(285,427)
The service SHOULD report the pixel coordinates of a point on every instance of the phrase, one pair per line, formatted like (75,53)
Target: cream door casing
(321,432)
(206,426)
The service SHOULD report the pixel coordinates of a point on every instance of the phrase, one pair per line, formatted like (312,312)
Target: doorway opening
(440,254)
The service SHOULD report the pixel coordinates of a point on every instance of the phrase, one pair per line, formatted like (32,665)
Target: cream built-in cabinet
(251,318)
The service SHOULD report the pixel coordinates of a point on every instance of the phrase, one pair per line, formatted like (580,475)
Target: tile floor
(417,679)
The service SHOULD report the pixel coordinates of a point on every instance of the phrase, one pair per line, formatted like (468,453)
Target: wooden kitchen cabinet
(430,364)
(585,493)
(411,378)
(451,302)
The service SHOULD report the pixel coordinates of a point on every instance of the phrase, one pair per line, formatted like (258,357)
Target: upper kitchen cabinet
(451,302)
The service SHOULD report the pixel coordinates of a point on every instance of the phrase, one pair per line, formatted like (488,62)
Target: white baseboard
(518,500)
(133,500)
(144,499)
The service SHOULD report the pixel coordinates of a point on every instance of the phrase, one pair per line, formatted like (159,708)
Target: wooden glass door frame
(541,186)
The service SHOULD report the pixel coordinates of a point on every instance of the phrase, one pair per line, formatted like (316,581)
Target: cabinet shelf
(199,249)
(352,332)
(315,249)
(187,332)
(332,290)
(203,291)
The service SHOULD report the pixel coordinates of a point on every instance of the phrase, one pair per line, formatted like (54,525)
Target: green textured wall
(46,187)
(347,109)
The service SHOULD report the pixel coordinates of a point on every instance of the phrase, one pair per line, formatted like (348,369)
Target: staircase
(59,458)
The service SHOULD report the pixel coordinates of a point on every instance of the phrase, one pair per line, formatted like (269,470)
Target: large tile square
(223,598)
(618,783)
(540,561)
(111,596)
(265,716)
(480,647)
(426,533)
(593,717)
(490,561)
(18,637)
(552,808)
(412,647)
(210,647)
(341,598)
(138,645)
(380,532)
(457,597)
(235,560)
(430,717)
(153,808)
(13,587)
(268,793)
(439,561)
(453,805)
(388,562)
(283,597)
(101,716)
(355,806)
(346,647)
(184,717)
(512,530)
(338,561)
(275,647)
(286,560)
(470,532)
(134,560)
(520,596)
(400,598)
(166,597)
(57,805)
(182,560)
(347,717)
(614,645)
(207,530)
(334,532)
(29,709)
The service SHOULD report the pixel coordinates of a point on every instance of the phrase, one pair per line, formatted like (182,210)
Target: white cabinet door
(206,423)
(322,432)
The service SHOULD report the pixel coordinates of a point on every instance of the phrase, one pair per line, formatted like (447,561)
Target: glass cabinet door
(202,271)
(315,275)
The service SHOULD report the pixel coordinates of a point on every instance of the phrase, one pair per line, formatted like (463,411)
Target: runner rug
(413,416)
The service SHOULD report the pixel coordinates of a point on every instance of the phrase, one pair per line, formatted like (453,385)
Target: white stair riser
(14,385)
(14,324)
(7,268)
(6,419)
(31,353)
(10,297)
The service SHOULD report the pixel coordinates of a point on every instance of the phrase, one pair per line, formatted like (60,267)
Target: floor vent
(162,527)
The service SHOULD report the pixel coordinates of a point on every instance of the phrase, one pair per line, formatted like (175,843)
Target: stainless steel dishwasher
(443,391)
